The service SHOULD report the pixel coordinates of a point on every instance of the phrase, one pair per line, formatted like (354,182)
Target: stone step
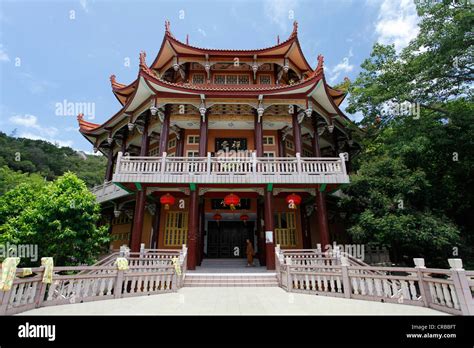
(230,279)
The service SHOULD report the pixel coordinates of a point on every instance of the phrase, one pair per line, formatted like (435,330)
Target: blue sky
(51,51)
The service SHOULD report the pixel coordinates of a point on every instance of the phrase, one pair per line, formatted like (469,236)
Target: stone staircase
(229,273)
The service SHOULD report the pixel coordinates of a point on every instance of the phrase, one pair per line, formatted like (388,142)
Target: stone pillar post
(258,136)
(297,133)
(165,131)
(203,130)
(193,221)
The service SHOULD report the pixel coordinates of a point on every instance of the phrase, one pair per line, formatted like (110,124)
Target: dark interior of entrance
(226,239)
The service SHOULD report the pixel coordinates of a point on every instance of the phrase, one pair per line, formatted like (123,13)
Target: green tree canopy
(61,218)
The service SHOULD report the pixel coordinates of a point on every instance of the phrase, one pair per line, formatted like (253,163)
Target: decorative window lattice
(120,236)
(121,220)
(265,79)
(290,145)
(307,153)
(176,228)
(192,154)
(269,154)
(198,79)
(219,79)
(231,79)
(244,80)
(285,229)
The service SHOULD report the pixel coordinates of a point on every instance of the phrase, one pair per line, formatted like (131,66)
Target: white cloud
(48,139)
(3,55)
(31,121)
(281,12)
(397,23)
(343,67)
(202,32)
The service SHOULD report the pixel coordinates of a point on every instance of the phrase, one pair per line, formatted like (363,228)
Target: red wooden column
(193,222)
(165,131)
(297,133)
(180,144)
(156,227)
(281,144)
(203,130)
(260,234)
(269,229)
(321,210)
(140,199)
(110,164)
(258,136)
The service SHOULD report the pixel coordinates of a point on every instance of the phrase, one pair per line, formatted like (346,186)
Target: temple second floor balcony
(231,170)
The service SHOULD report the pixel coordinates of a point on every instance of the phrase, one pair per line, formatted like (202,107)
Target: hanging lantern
(167,200)
(293,201)
(217,217)
(244,218)
(232,201)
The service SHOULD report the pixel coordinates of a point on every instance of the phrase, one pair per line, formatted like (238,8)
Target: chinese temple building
(212,147)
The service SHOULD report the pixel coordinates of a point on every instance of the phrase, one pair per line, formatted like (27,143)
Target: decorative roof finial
(113,79)
(295,28)
(320,63)
(278,39)
(167,26)
(80,117)
(187,39)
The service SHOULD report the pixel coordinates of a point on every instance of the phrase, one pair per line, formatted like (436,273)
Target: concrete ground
(233,301)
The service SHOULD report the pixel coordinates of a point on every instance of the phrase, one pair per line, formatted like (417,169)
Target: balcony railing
(252,170)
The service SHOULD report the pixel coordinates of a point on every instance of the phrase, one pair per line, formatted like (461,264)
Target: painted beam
(322,188)
(138,186)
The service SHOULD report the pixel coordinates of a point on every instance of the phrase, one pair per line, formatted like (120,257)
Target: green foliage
(60,217)
(10,179)
(50,161)
(413,184)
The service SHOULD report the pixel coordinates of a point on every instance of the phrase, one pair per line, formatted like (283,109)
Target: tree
(61,218)
(421,156)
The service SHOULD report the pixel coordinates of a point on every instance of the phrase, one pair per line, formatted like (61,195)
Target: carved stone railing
(107,191)
(241,169)
(150,274)
(448,291)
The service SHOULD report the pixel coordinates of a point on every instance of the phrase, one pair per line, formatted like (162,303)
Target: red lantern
(167,200)
(244,218)
(232,201)
(293,201)
(217,217)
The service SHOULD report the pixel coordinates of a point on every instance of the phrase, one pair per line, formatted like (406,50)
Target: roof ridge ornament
(295,28)
(167,28)
(143,65)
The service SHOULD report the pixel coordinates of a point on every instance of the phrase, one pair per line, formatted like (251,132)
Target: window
(221,79)
(265,79)
(290,145)
(176,228)
(172,143)
(307,153)
(244,80)
(285,229)
(193,139)
(192,154)
(198,79)
(269,154)
(121,220)
(154,152)
(269,140)
(120,236)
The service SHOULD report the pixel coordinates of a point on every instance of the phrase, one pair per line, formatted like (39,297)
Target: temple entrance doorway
(226,239)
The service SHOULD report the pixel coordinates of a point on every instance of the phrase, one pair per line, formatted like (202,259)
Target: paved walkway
(233,301)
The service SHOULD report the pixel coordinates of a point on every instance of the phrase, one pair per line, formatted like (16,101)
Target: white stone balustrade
(250,170)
